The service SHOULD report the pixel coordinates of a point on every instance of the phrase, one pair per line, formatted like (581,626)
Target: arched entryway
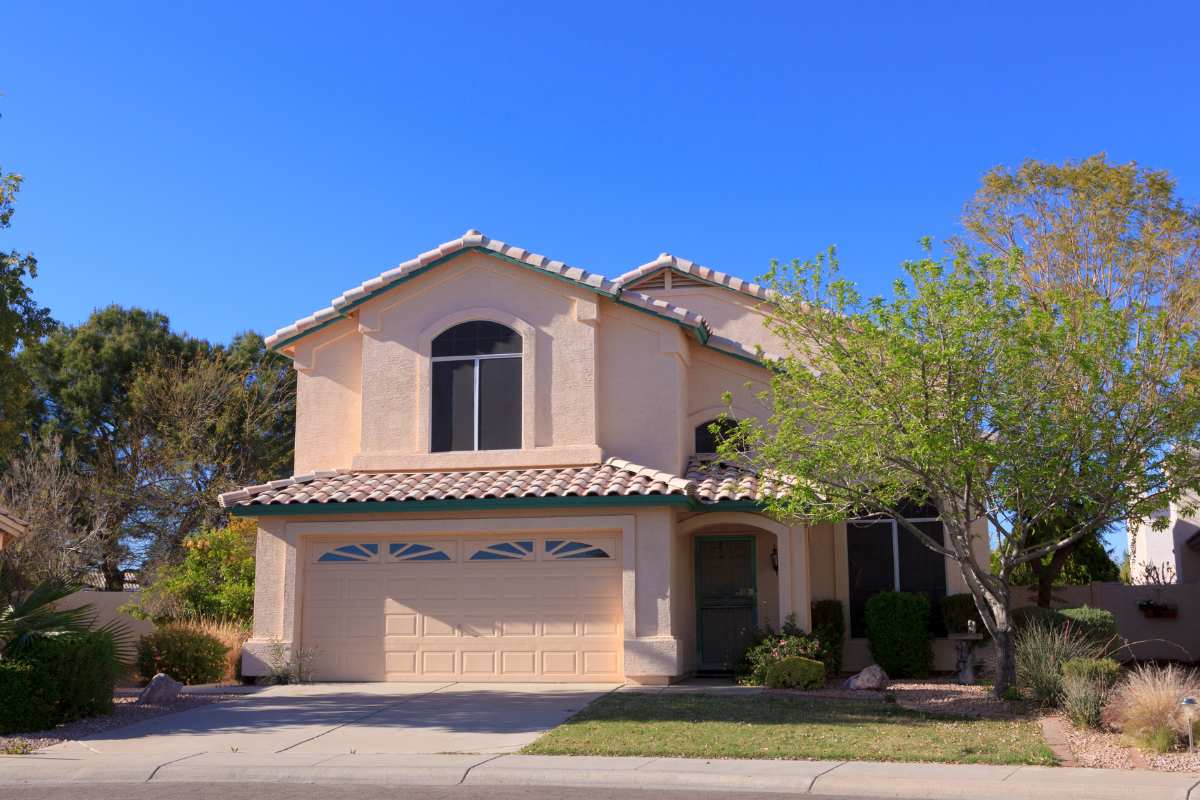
(739,571)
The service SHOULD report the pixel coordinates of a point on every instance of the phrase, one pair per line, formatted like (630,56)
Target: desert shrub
(189,656)
(229,633)
(215,580)
(796,672)
(58,679)
(1086,686)
(1042,647)
(898,631)
(1147,704)
(770,648)
(1097,624)
(958,610)
(829,626)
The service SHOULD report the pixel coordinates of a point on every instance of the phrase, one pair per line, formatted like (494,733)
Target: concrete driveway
(371,718)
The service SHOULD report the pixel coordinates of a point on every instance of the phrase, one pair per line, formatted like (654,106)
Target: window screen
(871,565)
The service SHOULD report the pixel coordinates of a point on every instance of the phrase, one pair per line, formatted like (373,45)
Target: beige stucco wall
(1166,550)
(329,399)
(643,388)
(732,315)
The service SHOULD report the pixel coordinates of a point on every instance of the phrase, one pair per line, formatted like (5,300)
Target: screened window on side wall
(476,401)
(883,557)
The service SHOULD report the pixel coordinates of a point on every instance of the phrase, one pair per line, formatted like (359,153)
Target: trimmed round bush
(1097,624)
(898,631)
(829,626)
(187,655)
(796,673)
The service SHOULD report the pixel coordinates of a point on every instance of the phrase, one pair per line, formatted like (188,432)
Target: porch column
(800,585)
(783,547)
(651,652)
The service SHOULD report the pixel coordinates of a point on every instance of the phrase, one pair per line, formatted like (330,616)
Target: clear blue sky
(238,168)
(237,165)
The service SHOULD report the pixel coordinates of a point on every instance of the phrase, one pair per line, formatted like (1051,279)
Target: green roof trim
(490,504)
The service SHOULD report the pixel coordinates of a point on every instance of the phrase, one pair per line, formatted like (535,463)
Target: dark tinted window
(924,571)
(477,338)
(706,441)
(453,424)
(499,403)
(872,570)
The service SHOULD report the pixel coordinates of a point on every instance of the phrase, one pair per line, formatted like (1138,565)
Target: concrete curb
(817,778)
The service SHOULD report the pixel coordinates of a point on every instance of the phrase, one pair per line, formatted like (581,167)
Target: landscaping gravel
(1107,749)
(126,711)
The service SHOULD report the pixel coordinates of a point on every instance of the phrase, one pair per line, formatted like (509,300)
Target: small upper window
(706,440)
(476,388)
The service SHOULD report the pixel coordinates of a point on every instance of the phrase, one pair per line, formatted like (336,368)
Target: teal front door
(726,600)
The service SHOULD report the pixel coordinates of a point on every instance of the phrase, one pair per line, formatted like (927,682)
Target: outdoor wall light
(1191,710)
(775,559)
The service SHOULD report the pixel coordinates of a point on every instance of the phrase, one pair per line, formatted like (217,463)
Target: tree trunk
(1046,574)
(1006,662)
(114,576)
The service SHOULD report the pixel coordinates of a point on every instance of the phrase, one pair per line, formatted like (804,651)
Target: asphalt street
(285,791)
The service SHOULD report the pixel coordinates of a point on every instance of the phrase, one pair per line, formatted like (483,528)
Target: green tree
(83,377)
(215,579)
(1115,232)
(960,392)
(21,322)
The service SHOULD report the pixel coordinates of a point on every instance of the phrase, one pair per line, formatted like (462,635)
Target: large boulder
(161,689)
(873,677)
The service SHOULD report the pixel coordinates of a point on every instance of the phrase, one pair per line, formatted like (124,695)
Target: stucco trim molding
(424,376)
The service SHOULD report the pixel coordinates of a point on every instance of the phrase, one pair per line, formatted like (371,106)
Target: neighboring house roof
(614,479)
(694,270)
(473,240)
(10,524)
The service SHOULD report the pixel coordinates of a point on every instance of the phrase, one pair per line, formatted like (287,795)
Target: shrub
(898,631)
(829,626)
(1025,616)
(22,704)
(1147,704)
(958,610)
(1042,647)
(1097,624)
(187,655)
(771,648)
(796,673)
(215,580)
(229,633)
(1086,686)
(58,679)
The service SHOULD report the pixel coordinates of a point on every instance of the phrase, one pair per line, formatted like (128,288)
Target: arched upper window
(706,440)
(476,388)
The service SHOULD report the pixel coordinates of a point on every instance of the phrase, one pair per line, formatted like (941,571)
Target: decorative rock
(873,677)
(161,689)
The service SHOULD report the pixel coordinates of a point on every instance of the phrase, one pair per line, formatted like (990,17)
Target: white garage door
(525,608)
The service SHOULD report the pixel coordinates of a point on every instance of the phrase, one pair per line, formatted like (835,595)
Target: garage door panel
(523,613)
(401,625)
(478,626)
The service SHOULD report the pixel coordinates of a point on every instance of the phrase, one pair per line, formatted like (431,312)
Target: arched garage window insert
(476,388)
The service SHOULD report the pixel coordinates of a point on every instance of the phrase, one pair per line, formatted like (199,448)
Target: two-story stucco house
(501,475)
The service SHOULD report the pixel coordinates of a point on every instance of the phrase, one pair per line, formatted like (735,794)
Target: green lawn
(755,726)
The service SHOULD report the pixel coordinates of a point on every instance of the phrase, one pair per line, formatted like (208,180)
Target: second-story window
(476,388)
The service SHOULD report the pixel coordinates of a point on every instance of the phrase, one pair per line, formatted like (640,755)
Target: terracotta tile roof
(474,239)
(663,308)
(613,478)
(10,524)
(668,261)
(718,481)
